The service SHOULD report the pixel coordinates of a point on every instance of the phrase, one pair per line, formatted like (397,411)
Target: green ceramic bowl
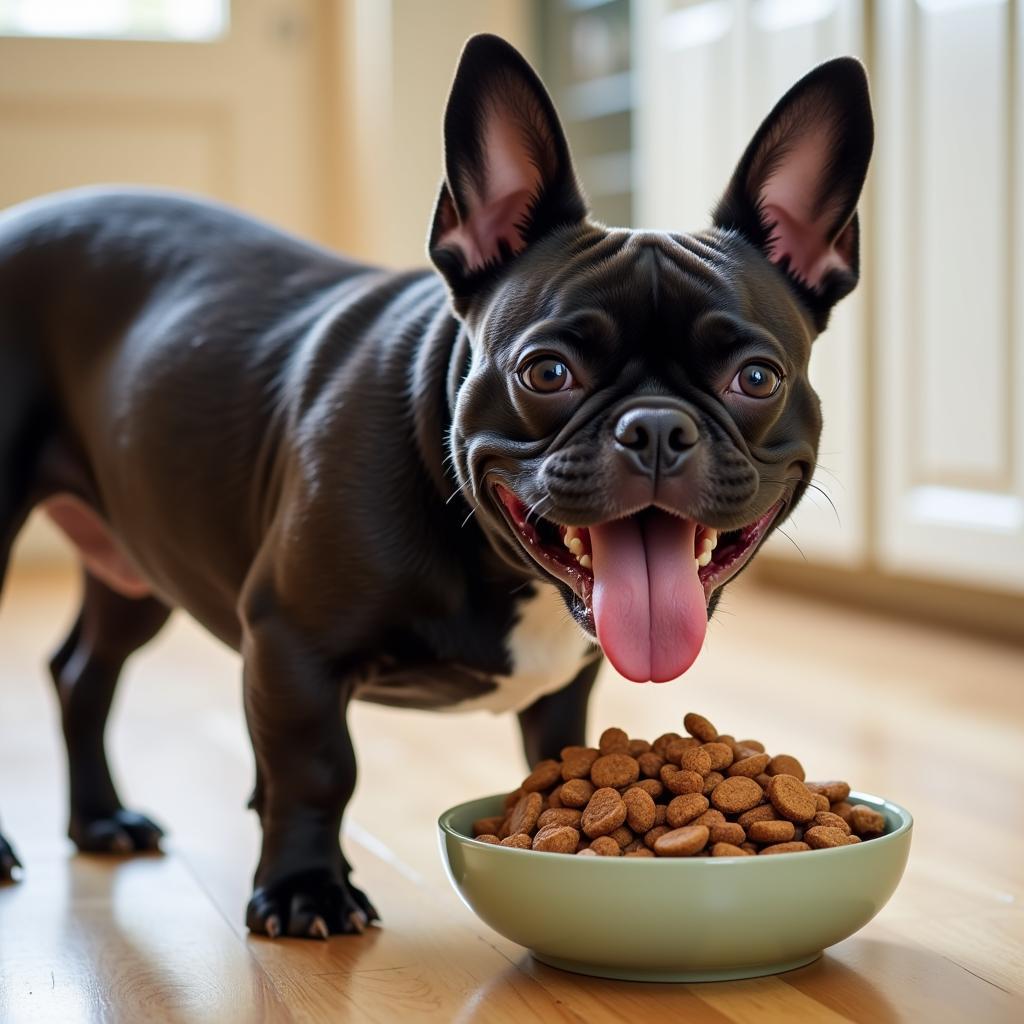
(675,919)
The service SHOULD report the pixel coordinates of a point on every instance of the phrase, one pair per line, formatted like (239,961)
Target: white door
(950,288)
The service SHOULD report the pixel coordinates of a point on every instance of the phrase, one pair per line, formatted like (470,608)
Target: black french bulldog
(391,486)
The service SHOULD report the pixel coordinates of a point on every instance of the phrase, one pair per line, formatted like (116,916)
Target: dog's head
(635,416)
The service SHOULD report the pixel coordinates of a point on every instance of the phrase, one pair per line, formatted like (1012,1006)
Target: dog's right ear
(509,178)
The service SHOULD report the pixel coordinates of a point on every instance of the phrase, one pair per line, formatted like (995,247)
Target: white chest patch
(547,650)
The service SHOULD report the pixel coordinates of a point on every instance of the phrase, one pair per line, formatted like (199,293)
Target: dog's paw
(309,905)
(122,832)
(10,866)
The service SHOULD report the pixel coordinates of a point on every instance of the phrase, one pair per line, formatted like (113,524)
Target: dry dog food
(700,795)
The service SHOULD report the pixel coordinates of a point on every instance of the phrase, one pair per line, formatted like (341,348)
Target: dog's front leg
(306,772)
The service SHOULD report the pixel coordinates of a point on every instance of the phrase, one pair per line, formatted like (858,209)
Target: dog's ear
(509,179)
(794,192)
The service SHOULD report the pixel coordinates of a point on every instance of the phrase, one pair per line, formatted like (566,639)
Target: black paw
(10,866)
(309,905)
(121,832)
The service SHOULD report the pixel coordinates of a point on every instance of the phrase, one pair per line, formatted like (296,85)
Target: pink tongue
(649,605)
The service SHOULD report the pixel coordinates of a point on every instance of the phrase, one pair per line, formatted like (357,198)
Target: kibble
(696,795)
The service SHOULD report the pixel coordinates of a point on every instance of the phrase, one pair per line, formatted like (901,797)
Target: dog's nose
(656,441)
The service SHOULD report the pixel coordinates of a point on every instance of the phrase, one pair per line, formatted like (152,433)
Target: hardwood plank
(133,940)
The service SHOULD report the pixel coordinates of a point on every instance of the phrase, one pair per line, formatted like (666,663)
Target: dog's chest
(546,650)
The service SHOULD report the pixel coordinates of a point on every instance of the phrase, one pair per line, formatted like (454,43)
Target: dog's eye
(757,380)
(546,375)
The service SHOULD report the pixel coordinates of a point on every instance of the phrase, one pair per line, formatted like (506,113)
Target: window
(171,20)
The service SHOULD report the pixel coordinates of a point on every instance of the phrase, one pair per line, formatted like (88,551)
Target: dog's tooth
(705,559)
(569,536)
(711,535)
(576,546)
(585,561)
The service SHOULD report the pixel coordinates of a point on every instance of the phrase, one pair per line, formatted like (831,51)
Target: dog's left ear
(509,179)
(794,192)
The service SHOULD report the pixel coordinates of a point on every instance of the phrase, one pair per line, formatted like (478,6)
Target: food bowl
(675,918)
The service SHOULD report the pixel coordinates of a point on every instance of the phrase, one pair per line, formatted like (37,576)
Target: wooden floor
(931,719)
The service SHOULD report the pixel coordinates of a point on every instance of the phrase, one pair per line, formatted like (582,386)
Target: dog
(452,488)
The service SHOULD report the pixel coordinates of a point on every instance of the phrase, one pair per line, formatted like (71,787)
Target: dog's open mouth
(644,581)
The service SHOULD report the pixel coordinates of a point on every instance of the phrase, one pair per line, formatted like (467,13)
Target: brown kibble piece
(641,852)
(614,770)
(638,747)
(763,812)
(682,842)
(659,814)
(652,787)
(751,766)
(576,792)
(866,821)
(791,798)
(576,762)
(556,839)
(835,791)
(485,838)
(709,818)
(586,852)
(711,780)
(661,744)
(696,759)
(737,794)
(675,750)
(604,813)
(613,741)
(544,776)
(525,814)
(622,835)
(771,832)
(728,832)
(640,809)
(721,755)
(786,764)
(487,826)
(698,726)
(677,780)
(650,764)
(755,745)
(749,847)
(843,809)
(821,802)
(785,848)
(605,846)
(520,841)
(513,798)
(729,850)
(830,820)
(822,838)
(683,809)
(560,816)
(554,798)
(654,835)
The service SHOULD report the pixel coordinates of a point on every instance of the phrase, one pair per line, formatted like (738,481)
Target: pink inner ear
(788,199)
(511,181)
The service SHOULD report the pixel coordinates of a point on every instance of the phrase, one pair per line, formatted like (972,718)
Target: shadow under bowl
(679,918)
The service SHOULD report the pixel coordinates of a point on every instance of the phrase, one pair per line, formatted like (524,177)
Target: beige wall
(395,66)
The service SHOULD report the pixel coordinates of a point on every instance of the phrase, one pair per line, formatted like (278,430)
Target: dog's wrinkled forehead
(647,293)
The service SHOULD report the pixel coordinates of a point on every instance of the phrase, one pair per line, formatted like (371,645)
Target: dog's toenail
(273,926)
(318,929)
